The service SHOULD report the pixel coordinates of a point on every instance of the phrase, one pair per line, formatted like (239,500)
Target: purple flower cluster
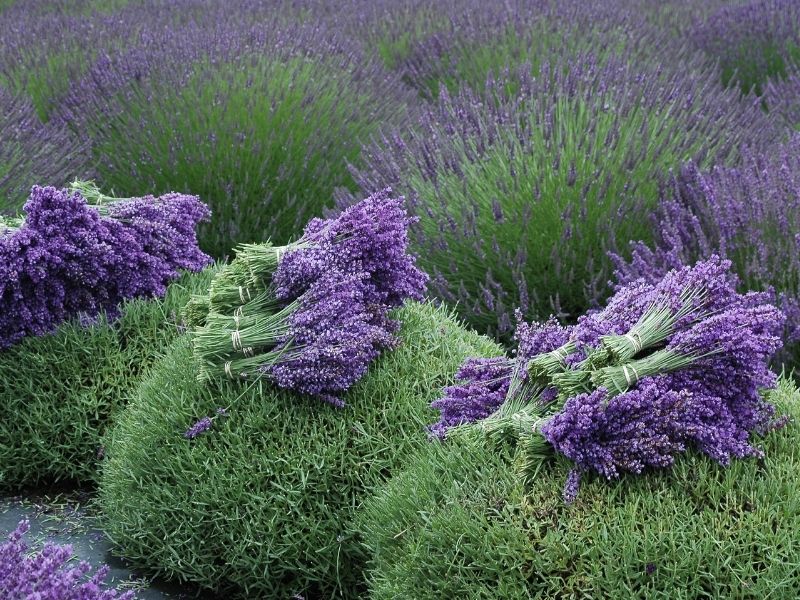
(318,313)
(45,575)
(698,388)
(483,383)
(66,260)
(370,237)
(332,337)
(749,215)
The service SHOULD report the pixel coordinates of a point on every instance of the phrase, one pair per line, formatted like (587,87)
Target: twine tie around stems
(628,375)
(636,341)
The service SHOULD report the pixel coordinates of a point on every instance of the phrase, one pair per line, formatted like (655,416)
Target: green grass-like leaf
(58,392)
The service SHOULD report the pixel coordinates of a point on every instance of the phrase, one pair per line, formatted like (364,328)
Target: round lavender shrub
(456,523)
(32,153)
(523,189)
(60,391)
(258,505)
(753,41)
(749,214)
(260,120)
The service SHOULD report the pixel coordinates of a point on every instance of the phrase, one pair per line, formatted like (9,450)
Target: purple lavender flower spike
(200,426)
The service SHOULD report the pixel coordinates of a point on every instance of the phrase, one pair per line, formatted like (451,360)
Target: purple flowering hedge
(260,119)
(522,189)
(59,391)
(258,501)
(456,523)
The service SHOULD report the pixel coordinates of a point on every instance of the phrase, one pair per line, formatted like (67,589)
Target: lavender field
(408,299)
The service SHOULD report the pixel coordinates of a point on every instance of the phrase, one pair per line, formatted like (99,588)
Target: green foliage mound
(261,130)
(260,505)
(455,524)
(58,392)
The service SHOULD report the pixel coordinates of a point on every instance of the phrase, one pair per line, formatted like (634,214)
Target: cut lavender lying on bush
(310,316)
(68,259)
(692,379)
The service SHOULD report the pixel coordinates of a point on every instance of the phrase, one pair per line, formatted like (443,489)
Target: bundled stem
(618,379)
(653,328)
(543,367)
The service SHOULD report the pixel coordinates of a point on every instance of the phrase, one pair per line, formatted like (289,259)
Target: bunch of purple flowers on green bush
(45,575)
(666,366)
(310,316)
(70,259)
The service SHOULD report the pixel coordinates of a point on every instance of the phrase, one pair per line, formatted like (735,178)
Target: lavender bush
(31,152)
(753,41)
(522,190)
(260,119)
(749,214)
(45,575)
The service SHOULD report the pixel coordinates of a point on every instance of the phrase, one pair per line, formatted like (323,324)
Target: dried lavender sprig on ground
(45,574)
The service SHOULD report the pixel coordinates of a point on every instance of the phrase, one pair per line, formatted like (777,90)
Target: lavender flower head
(45,575)
(200,426)
(371,237)
(483,383)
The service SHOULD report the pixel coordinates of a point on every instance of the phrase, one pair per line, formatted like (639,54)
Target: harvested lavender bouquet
(70,258)
(664,367)
(310,316)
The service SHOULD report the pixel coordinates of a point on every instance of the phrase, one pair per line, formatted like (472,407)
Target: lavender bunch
(45,575)
(783,100)
(311,316)
(66,260)
(694,381)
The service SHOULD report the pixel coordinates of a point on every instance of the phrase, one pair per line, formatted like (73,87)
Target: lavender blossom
(370,236)
(782,98)
(45,574)
(198,427)
(484,383)
(66,260)
(482,389)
